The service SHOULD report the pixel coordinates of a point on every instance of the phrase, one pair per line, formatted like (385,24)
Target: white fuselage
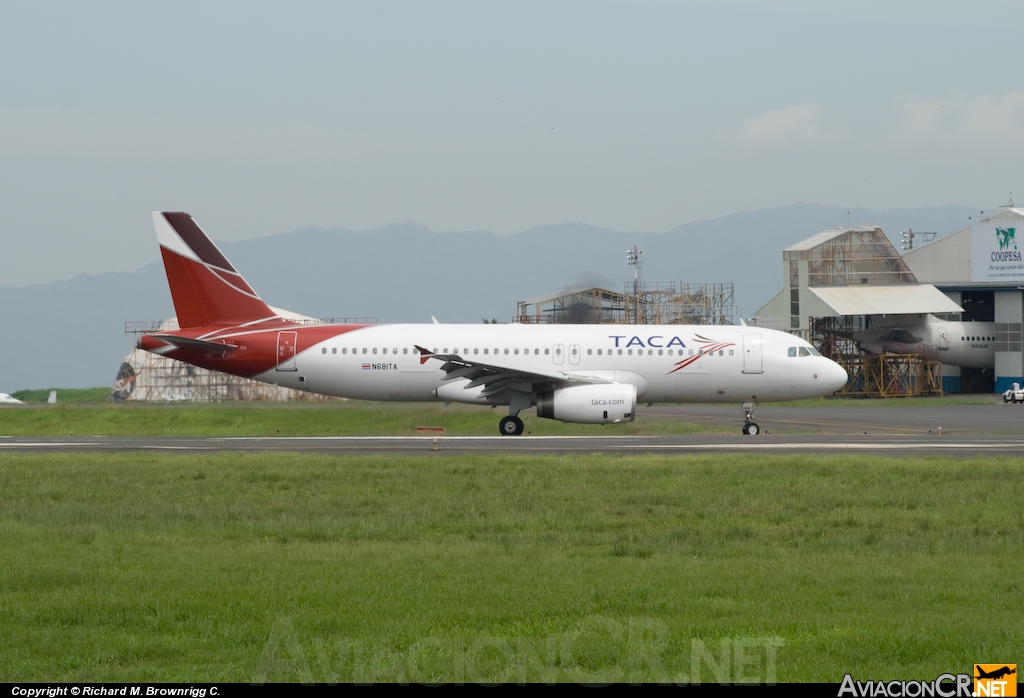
(666,363)
(955,343)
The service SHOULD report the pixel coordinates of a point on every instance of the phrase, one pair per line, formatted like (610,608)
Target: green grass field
(88,413)
(281,567)
(65,396)
(336,418)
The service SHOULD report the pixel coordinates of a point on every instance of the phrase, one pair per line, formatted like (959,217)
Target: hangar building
(855,277)
(981,268)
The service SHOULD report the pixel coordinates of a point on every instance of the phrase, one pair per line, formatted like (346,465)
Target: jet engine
(606,403)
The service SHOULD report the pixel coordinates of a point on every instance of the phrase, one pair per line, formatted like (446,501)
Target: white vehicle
(1014,394)
(593,374)
(6,399)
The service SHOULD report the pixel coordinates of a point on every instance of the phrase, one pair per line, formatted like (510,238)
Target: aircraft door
(574,353)
(558,354)
(286,342)
(752,359)
(943,338)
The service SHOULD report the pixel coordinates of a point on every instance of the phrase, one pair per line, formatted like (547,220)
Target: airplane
(995,673)
(955,343)
(590,374)
(6,399)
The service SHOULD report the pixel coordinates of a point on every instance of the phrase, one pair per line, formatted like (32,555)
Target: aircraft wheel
(510,426)
(751,429)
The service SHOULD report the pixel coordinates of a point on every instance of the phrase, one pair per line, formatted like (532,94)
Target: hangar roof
(825,236)
(896,299)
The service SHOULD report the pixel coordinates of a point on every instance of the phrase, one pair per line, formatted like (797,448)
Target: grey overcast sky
(639,116)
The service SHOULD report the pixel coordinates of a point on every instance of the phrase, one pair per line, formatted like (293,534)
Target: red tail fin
(205,288)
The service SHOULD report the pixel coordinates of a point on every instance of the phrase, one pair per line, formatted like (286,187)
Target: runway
(967,431)
(402,445)
(855,417)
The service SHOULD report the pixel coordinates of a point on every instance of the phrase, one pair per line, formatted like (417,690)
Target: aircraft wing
(497,378)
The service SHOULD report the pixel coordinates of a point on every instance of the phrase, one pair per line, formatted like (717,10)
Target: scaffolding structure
(893,375)
(593,306)
(661,303)
(647,303)
(886,375)
(144,376)
(849,256)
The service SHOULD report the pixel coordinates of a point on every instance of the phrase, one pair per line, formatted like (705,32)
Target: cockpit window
(804,351)
(792,351)
(814,352)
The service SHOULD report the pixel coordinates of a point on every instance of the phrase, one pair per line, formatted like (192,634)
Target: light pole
(634,260)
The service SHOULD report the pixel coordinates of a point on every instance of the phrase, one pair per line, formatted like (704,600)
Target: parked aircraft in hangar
(593,374)
(955,343)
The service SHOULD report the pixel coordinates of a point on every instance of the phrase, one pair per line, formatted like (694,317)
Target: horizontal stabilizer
(201,345)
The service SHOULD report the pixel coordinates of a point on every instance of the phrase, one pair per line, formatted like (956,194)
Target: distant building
(144,376)
(645,303)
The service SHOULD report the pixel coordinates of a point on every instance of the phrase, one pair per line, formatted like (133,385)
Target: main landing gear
(512,425)
(750,427)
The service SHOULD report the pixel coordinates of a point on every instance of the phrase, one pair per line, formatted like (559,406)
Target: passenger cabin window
(334,350)
(546,352)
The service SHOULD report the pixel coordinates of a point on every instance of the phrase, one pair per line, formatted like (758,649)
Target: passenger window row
(536,352)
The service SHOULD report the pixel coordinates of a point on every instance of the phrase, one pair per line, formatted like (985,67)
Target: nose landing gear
(750,427)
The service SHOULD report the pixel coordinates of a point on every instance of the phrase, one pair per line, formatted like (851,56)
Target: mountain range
(71,333)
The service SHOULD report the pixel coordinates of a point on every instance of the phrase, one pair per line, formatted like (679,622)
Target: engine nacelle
(589,404)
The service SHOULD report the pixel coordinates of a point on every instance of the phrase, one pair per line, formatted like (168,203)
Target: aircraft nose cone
(836,376)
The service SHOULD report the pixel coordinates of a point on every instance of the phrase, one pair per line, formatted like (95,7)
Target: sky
(258,118)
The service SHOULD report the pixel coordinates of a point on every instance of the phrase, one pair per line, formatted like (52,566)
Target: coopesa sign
(995,255)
